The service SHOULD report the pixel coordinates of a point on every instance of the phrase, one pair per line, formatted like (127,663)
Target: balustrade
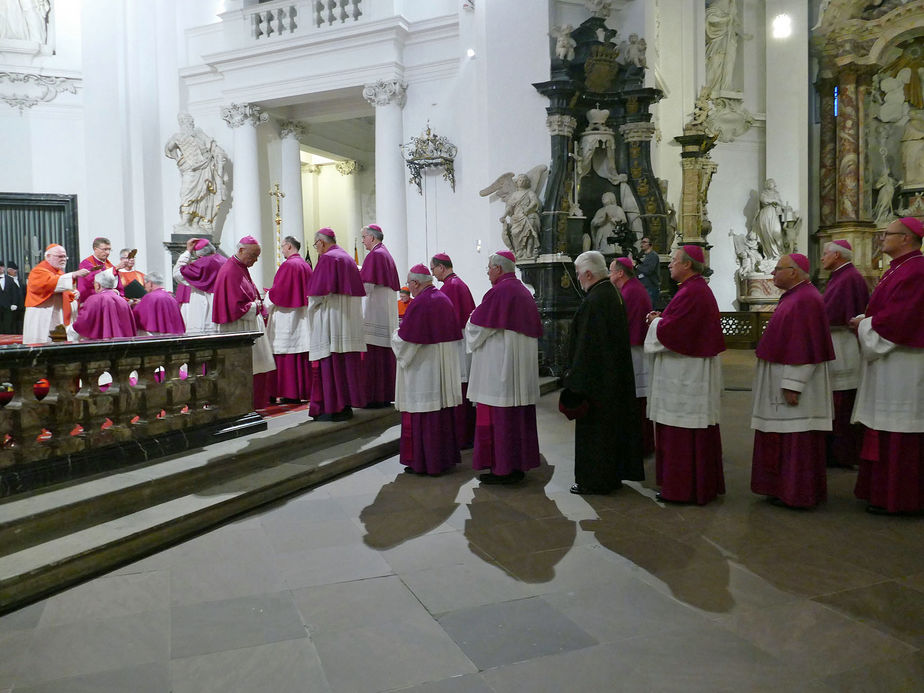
(288,17)
(69,409)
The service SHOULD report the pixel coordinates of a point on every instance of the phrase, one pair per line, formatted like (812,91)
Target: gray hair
(695,265)
(291,240)
(593,261)
(422,278)
(375,233)
(839,249)
(208,249)
(318,236)
(502,262)
(241,246)
(106,279)
(156,278)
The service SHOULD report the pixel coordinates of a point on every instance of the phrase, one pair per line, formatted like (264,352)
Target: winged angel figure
(520,220)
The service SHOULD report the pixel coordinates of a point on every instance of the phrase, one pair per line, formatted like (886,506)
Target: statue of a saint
(203,187)
(913,150)
(768,223)
(722,30)
(609,219)
(884,214)
(24,20)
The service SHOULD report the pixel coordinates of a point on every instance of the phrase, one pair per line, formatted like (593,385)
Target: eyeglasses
(893,233)
(780,269)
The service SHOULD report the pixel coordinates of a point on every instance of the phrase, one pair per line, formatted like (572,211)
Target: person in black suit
(12,301)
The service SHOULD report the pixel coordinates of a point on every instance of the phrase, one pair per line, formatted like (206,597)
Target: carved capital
(637,132)
(238,114)
(292,128)
(386,91)
(348,167)
(313,169)
(561,125)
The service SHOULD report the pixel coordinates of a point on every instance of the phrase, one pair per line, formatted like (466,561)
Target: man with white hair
(49,293)
(106,314)
(846,295)
(890,399)
(335,326)
(238,307)
(600,386)
(157,312)
(196,269)
(428,386)
(287,326)
(503,336)
(380,317)
(685,385)
(792,392)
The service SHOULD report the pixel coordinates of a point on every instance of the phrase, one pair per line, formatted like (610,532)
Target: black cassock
(607,439)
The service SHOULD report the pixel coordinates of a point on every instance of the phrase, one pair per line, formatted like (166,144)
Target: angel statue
(564,44)
(520,221)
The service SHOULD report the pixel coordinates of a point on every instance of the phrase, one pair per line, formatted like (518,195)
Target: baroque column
(293,217)
(827,175)
(388,97)
(243,119)
(848,148)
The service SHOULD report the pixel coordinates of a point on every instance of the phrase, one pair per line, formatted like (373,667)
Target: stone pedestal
(757,293)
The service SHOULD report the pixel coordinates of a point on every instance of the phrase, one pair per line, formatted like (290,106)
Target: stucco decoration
(22,90)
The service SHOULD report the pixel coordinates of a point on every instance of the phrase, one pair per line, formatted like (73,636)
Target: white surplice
(427,378)
(198,312)
(263,360)
(683,391)
(39,320)
(844,370)
(771,414)
(287,328)
(640,364)
(335,325)
(890,395)
(505,367)
(380,314)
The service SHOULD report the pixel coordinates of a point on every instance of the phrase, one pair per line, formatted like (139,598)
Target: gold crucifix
(278,194)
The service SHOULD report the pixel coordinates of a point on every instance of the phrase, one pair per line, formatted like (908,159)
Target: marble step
(45,568)
(57,511)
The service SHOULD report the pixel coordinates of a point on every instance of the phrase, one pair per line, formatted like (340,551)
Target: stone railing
(742,330)
(289,17)
(67,410)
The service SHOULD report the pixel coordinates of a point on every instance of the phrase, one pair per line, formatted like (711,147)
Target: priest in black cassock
(600,386)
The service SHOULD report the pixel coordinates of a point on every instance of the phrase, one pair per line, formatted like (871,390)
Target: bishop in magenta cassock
(49,294)
(287,327)
(157,312)
(380,317)
(237,307)
(463,304)
(335,326)
(846,295)
(197,268)
(792,392)
(503,336)
(685,386)
(106,314)
(97,261)
(428,383)
(890,397)
(638,306)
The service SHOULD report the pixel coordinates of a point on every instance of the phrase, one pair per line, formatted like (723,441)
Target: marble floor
(382,581)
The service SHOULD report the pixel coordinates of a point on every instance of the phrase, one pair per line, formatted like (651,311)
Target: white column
(388,97)
(293,222)
(787,152)
(243,119)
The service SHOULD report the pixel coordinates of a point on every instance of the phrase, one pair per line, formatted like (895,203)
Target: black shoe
(514,477)
(408,470)
(377,405)
(287,400)
(877,510)
(585,491)
(344,415)
(323,417)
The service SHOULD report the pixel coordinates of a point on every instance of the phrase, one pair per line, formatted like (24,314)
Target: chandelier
(429,150)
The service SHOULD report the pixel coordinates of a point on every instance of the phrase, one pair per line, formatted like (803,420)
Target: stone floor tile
(331,564)
(385,657)
(467,683)
(812,638)
(146,678)
(498,634)
(901,675)
(113,595)
(22,619)
(887,606)
(291,666)
(346,605)
(231,624)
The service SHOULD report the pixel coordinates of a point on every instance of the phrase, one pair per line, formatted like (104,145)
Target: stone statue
(884,213)
(599,8)
(750,261)
(768,222)
(913,150)
(722,30)
(609,220)
(520,222)
(24,20)
(564,44)
(632,52)
(893,107)
(203,184)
